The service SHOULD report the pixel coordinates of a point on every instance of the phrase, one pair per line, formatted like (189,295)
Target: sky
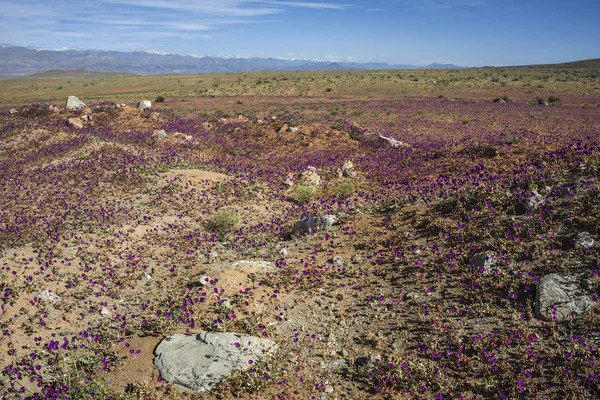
(418,32)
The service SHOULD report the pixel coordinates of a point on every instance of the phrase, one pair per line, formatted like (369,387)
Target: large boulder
(144,104)
(201,361)
(313,224)
(73,103)
(559,299)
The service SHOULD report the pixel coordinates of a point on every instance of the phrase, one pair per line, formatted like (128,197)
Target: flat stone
(484,261)
(337,364)
(338,261)
(558,299)
(73,103)
(47,295)
(534,200)
(12,111)
(144,104)
(201,361)
(313,224)
(391,142)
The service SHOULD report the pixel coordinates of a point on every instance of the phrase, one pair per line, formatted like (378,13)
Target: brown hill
(77,73)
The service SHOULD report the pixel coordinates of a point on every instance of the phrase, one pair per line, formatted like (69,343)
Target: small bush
(303,192)
(345,188)
(224,221)
(159,99)
(553,99)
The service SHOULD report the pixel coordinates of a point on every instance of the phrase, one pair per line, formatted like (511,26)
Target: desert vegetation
(439,215)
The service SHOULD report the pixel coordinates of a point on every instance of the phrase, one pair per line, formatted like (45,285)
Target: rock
(75,123)
(47,295)
(485,261)
(53,108)
(313,224)
(207,125)
(213,256)
(284,128)
(105,312)
(290,179)
(253,264)
(357,259)
(558,298)
(159,135)
(201,361)
(144,104)
(283,252)
(499,100)
(584,240)
(328,389)
(391,142)
(534,200)
(310,175)
(338,261)
(587,283)
(73,103)
(293,130)
(411,296)
(12,111)
(348,170)
(337,364)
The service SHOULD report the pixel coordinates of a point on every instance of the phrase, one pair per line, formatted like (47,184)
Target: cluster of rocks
(311,175)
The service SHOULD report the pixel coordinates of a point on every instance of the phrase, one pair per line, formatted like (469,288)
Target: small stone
(47,295)
(328,389)
(411,295)
(534,200)
(485,261)
(207,125)
(499,100)
(289,179)
(313,224)
(357,259)
(311,176)
(584,240)
(87,117)
(12,111)
(284,128)
(391,142)
(75,123)
(73,103)
(587,284)
(105,312)
(338,261)
(348,170)
(283,252)
(160,135)
(337,364)
(293,130)
(144,104)
(213,256)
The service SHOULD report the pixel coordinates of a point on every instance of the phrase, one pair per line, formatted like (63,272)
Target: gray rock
(160,135)
(293,130)
(486,261)
(534,200)
(498,100)
(338,261)
(310,175)
(357,259)
(558,298)
(47,295)
(12,111)
(348,170)
(411,296)
(144,104)
(253,264)
(201,361)
(337,364)
(391,142)
(284,252)
(75,123)
(584,240)
(73,103)
(313,224)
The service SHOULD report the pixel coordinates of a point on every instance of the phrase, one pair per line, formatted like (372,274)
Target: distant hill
(590,64)
(21,61)
(77,73)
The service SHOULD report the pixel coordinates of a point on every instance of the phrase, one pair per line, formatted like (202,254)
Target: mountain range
(20,61)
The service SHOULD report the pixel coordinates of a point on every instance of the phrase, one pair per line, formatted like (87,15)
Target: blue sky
(463,32)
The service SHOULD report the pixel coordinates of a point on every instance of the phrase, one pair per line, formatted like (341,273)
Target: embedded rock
(391,142)
(347,170)
(75,123)
(534,200)
(201,361)
(144,104)
(313,224)
(12,111)
(47,295)
(485,261)
(73,103)
(311,176)
(584,240)
(159,135)
(558,298)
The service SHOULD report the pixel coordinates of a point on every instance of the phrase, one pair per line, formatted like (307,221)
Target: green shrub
(303,192)
(224,221)
(553,99)
(159,99)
